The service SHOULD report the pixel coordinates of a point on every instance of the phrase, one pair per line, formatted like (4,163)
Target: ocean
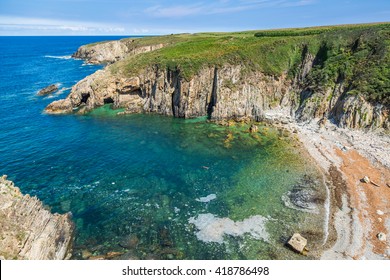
(148,186)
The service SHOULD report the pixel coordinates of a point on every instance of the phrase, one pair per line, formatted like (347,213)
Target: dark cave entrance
(108,100)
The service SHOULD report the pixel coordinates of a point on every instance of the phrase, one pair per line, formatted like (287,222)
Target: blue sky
(121,17)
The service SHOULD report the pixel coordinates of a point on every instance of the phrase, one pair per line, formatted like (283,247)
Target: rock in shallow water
(129,242)
(297,242)
(301,198)
(253,128)
(48,90)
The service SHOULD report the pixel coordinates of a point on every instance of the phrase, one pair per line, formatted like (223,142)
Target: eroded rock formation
(48,90)
(28,231)
(111,51)
(224,92)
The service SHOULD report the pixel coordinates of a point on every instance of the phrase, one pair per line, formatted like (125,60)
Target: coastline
(358,211)
(343,155)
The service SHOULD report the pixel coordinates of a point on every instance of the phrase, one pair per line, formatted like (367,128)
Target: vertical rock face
(222,92)
(355,112)
(29,231)
(219,93)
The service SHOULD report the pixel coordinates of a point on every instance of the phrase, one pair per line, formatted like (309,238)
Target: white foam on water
(213,229)
(208,198)
(62,90)
(59,56)
(49,96)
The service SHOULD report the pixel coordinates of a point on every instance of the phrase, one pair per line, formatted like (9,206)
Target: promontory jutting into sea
(244,145)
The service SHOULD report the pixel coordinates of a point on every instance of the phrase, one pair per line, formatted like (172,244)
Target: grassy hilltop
(357,54)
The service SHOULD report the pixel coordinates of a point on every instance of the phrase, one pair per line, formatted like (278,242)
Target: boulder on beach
(49,89)
(254,128)
(298,243)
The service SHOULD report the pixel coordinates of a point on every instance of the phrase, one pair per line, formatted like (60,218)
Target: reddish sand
(367,198)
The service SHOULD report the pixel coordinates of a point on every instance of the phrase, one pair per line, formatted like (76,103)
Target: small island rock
(49,89)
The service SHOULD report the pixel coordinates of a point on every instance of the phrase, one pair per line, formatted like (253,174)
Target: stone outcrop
(224,92)
(335,102)
(298,243)
(28,231)
(111,51)
(220,93)
(48,90)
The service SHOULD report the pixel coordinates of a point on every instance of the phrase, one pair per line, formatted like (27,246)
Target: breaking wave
(59,56)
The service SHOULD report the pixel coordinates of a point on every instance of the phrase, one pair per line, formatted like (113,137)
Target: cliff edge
(338,73)
(112,51)
(30,232)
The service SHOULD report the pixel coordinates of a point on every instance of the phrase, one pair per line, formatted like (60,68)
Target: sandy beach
(359,212)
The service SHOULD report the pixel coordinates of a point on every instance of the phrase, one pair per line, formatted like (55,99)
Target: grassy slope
(357,54)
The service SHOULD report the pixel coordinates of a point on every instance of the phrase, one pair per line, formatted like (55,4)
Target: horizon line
(167,34)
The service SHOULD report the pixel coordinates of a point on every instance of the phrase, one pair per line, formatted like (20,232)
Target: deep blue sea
(147,186)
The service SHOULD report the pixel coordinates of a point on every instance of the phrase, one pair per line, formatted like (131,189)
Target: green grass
(356,54)
(189,53)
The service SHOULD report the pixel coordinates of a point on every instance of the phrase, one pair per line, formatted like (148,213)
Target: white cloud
(140,31)
(52,26)
(175,11)
(299,3)
(220,7)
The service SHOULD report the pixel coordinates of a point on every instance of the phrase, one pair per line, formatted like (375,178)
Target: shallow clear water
(134,183)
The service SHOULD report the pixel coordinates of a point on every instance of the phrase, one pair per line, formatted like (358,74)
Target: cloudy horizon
(120,17)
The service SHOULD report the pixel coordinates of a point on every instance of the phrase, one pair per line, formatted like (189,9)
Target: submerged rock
(129,242)
(28,230)
(208,198)
(48,90)
(301,198)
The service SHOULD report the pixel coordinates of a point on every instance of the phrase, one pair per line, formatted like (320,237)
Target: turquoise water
(135,184)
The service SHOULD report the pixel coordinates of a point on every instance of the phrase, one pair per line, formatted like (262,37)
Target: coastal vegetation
(340,73)
(358,54)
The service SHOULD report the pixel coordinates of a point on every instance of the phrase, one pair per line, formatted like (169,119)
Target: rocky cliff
(335,101)
(312,87)
(220,93)
(111,51)
(30,232)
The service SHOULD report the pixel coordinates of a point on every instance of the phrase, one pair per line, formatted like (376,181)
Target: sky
(151,17)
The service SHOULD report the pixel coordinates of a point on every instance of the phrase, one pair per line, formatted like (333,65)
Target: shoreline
(358,211)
